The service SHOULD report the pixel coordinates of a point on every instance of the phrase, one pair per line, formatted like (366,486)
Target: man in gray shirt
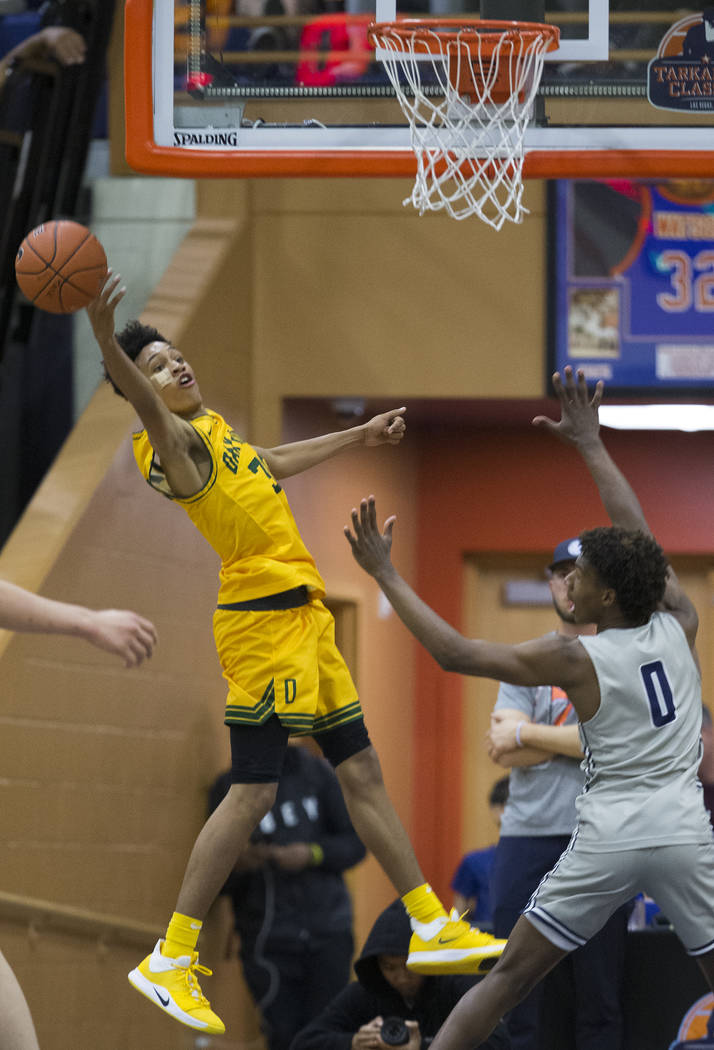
(534,732)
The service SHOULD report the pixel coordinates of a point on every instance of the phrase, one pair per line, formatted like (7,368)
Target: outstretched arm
(549,660)
(579,426)
(371,550)
(125,634)
(171,437)
(135,387)
(287,460)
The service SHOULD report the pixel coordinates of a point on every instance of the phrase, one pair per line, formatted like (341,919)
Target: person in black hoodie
(389,1005)
(291,907)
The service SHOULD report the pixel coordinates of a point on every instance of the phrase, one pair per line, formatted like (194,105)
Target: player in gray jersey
(636,689)
(534,732)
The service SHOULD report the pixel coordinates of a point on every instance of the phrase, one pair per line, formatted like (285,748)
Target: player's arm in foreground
(514,740)
(551,659)
(125,634)
(579,426)
(180,450)
(387,428)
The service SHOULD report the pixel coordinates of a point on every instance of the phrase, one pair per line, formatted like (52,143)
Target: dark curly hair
(632,563)
(132,339)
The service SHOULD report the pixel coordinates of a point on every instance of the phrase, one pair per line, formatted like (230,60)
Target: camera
(394,1032)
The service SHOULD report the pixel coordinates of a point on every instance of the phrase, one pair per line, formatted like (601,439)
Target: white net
(469,97)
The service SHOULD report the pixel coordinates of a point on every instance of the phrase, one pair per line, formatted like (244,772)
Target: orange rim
(481,36)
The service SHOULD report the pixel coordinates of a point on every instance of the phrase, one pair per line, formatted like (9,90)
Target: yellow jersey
(243,513)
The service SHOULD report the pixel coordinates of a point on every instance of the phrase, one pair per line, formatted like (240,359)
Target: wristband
(519,742)
(317,854)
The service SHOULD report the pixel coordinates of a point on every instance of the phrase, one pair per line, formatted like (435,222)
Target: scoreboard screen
(632,284)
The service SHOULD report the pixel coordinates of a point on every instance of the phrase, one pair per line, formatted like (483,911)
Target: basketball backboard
(232,88)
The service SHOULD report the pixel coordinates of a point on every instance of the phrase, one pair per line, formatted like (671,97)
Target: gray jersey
(642,747)
(541,798)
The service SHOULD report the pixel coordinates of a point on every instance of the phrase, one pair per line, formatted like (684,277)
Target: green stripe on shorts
(243,714)
(337,718)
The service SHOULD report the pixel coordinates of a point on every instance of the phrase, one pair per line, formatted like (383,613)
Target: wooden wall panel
(355,295)
(375,300)
(97,734)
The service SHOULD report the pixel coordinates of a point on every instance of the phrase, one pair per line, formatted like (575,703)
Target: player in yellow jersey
(275,640)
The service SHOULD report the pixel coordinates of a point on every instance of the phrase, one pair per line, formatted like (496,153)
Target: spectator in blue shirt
(472,880)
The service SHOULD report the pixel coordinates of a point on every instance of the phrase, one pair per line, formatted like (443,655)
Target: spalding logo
(20,253)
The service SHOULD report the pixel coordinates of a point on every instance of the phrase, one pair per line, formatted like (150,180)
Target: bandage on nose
(162,378)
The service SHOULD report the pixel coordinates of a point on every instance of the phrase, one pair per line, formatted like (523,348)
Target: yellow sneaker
(172,985)
(451,946)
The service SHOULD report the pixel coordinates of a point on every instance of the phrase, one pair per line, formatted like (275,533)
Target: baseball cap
(567,550)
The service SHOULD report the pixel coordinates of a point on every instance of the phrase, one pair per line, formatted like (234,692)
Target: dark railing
(47,114)
(46,117)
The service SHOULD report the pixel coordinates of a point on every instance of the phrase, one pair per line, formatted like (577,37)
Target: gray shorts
(576,898)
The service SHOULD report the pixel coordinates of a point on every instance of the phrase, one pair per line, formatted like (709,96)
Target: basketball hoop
(467,88)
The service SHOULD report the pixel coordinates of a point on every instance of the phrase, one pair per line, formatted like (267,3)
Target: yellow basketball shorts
(285,663)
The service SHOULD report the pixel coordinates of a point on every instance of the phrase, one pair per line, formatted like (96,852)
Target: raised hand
(388,428)
(578,423)
(371,548)
(101,310)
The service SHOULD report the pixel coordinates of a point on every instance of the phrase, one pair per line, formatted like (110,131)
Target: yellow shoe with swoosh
(172,985)
(450,945)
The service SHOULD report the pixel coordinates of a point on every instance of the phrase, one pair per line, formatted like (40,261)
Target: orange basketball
(61,266)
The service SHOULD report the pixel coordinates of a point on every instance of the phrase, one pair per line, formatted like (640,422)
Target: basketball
(60,266)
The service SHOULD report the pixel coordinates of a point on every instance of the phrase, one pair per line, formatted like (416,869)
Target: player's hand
(578,424)
(388,428)
(371,548)
(126,634)
(367,1037)
(101,310)
(414,1035)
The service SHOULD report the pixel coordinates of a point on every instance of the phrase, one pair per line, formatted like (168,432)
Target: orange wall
(519,490)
